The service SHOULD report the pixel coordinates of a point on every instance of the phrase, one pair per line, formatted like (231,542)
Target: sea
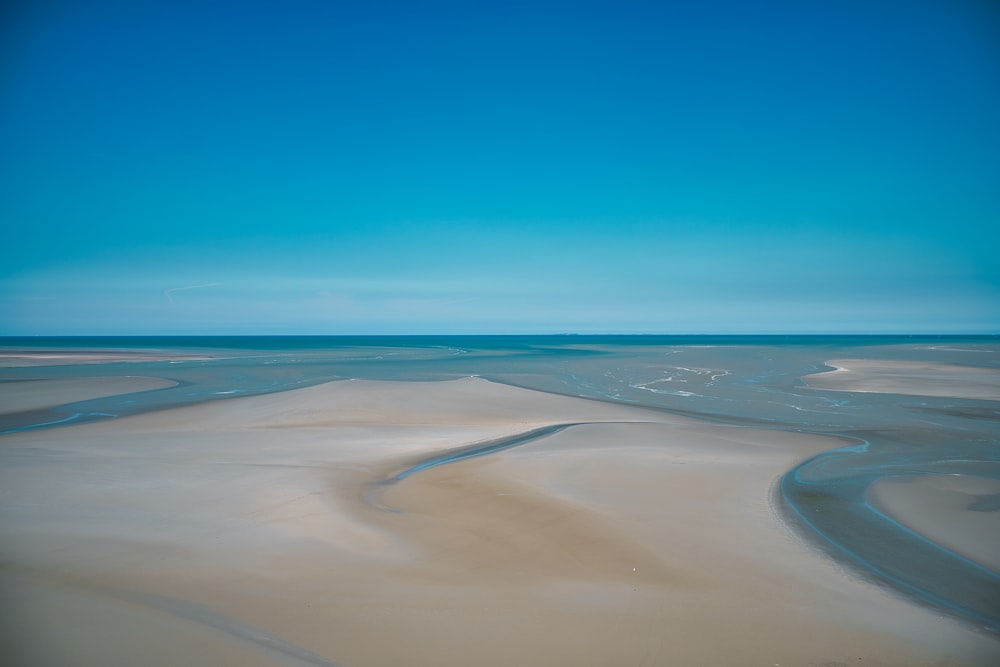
(753,381)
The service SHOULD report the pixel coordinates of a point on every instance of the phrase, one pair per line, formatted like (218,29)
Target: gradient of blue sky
(434,167)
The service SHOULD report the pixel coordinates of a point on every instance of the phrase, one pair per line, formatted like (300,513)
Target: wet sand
(908,377)
(269,530)
(29,358)
(959,512)
(28,395)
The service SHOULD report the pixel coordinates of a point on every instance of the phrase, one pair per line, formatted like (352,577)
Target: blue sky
(718,167)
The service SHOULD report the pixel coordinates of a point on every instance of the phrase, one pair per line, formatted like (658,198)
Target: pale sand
(22,396)
(908,377)
(16,359)
(240,532)
(943,508)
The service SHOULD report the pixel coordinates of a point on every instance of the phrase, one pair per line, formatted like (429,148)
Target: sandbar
(10,358)
(908,377)
(25,395)
(959,512)
(275,529)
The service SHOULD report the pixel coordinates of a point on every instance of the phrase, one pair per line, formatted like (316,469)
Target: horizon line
(501,334)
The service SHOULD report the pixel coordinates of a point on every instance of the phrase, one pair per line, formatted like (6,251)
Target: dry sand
(252,531)
(908,377)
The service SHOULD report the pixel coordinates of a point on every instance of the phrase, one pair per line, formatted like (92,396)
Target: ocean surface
(754,381)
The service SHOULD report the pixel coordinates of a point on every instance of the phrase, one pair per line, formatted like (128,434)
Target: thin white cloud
(168,292)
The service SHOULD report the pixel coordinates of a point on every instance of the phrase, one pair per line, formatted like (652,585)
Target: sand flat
(247,527)
(22,396)
(959,512)
(908,377)
(30,358)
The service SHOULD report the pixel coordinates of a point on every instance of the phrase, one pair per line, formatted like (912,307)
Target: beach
(321,526)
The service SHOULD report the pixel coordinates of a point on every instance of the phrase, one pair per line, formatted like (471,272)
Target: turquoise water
(748,380)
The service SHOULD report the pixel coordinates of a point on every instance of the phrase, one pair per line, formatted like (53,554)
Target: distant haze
(393,167)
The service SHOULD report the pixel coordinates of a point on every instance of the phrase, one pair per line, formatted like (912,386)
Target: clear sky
(502,167)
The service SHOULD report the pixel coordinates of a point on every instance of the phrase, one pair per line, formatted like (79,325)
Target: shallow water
(748,380)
